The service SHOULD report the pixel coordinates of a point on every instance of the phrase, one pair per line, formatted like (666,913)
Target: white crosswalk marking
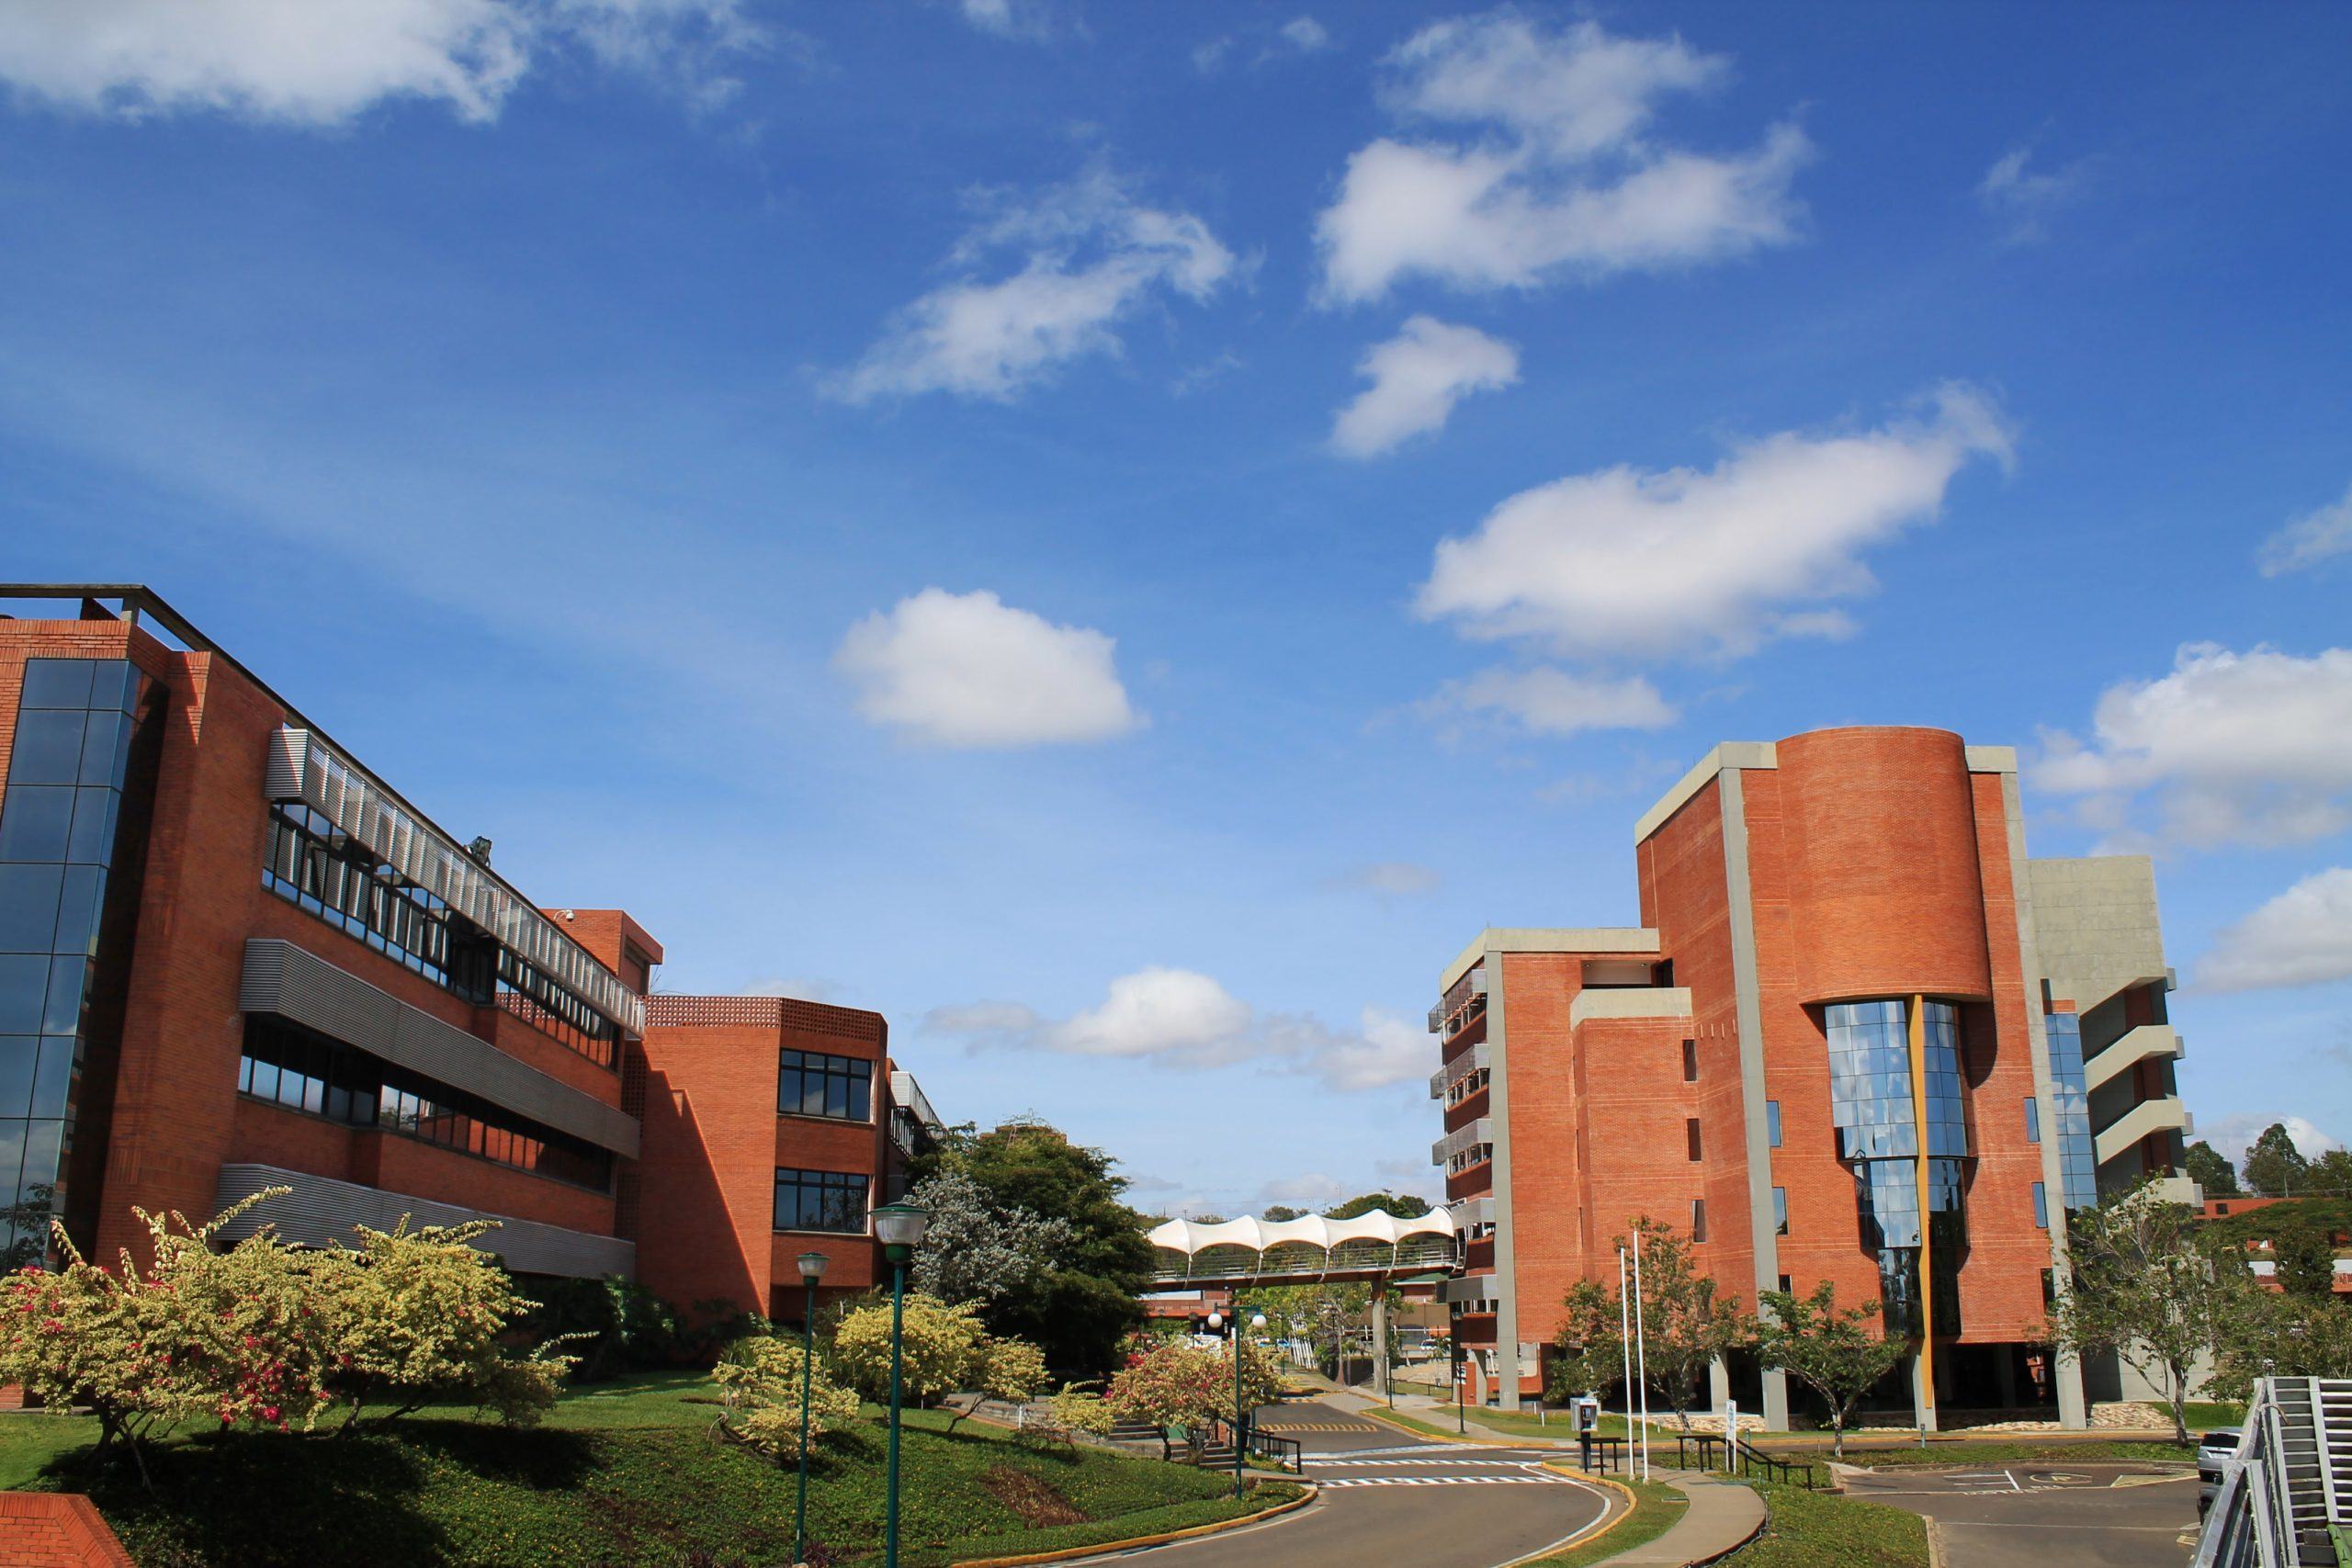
(1532,1479)
(1319,1463)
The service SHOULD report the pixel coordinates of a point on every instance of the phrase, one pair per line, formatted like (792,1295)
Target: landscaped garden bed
(623,1474)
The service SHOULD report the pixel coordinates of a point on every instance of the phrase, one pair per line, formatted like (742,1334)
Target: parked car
(2214,1451)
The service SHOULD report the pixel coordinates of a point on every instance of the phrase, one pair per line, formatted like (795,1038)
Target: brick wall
(53,1529)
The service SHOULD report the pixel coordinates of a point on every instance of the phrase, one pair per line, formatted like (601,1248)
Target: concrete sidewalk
(1723,1518)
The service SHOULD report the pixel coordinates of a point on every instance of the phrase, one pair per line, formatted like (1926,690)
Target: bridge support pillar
(1380,1334)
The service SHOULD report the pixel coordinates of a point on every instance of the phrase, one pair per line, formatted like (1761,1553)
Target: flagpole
(1641,1349)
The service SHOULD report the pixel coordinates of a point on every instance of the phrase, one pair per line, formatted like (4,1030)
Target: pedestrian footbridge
(1374,1246)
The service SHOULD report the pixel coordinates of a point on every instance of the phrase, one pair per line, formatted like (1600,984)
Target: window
(2041,1206)
(2032,1120)
(291,1066)
(1691,1136)
(1779,1210)
(812,1084)
(819,1201)
(312,863)
(1690,1061)
(1785,1282)
(1773,1122)
(1698,1219)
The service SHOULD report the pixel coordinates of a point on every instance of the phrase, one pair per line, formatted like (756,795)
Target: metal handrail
(1745,1457)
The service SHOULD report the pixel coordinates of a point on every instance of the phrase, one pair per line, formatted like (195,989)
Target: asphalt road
(2083,1515)
(1389,1499)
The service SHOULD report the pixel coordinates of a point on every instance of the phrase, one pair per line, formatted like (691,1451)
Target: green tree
(2274,1167)
(1404,1206)
(941,1347)
(1078,1310)
(1277,1212)
(2282,1336)
(2153,1284)
(1592,1343)
(760,1395)
(1322,1314)
(1686,1321)
(976,1249)
(2303,1252)
(2330,1174)
(2209,1170)
(1839,1353)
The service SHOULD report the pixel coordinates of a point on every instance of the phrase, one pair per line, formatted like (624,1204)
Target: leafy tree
(419,1316)
(2330,1174)
(1321,1313)
(2151,1284)
(1183,1385)
(977,1251)
(2274,1167)
(230,1335)
(1077,1409)
(760,1395)
(2284,1335)
(1010,1370)
(1279,1212)
(939,1354)
(1687,1322)
(2209,1170)
(1840,1354)
(1081,1308)
(1590,1341)
(1404,1206)
(2303,1253)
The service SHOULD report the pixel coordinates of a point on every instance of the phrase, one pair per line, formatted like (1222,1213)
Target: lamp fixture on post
(898,1227)
(812,1269)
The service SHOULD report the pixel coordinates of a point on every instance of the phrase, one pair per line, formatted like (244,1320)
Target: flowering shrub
(939,1355)
(1076,1409)
(236,1336)
(1182,1385)
(417,1318)
(1010,1370)
(759,1381)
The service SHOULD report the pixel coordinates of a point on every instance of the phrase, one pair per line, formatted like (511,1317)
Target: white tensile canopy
(1190,1237)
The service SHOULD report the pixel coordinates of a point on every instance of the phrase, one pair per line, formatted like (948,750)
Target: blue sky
(1120,535)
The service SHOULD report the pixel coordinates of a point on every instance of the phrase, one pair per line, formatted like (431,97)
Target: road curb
(1137,1542)
(1386,1420)
(1574,1541)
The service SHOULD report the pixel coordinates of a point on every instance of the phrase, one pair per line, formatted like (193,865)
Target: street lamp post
(898,1227)
(1257,1321)
(812,1269)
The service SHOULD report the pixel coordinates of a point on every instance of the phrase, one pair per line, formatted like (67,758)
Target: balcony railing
(1454,1072)
(1464,1003)
(1468,1135)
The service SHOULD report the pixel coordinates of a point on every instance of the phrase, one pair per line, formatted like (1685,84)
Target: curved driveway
(1390,1498)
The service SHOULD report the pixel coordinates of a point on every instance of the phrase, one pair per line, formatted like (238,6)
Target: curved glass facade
(1878,1128)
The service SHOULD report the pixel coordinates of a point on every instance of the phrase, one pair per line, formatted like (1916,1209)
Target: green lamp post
(898,1227)
(812,1269)
(1239,1415)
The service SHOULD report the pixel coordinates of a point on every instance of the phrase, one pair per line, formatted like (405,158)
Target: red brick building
(1846,963)
(232,957)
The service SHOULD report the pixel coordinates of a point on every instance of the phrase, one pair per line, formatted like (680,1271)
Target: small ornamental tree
(940,1347)
(1590,1342)
(1839,1354)
(1077,1409)
(418,1318)
(1010,1370)
(233,1334)
(760,1391)
(1181,1385)
(2152,1284)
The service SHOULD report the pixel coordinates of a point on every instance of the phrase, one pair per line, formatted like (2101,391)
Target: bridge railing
(1298,1260)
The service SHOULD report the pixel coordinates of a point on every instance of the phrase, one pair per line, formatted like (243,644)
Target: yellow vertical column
(1926,1263)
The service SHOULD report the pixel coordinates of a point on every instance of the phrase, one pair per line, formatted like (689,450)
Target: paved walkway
(1723,1517)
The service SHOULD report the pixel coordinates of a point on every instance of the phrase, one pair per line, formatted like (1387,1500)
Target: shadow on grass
(261,1499)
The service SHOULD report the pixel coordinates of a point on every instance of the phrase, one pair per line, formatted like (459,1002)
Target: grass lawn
(1561,1428)
(1822,1529)
(622,1473)
(2202,1415)
(1655,1509)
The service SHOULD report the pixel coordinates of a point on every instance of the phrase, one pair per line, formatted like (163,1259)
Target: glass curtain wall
(2070,1103)
(63,831)
(1878,1128)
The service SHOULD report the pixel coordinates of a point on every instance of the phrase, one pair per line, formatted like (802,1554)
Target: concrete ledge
(1547,939)
(1729,754)
(1632,1001)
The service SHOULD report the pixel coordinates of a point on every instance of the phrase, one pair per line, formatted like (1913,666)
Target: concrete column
(2005,1377)
(1923,1396)
(1718,1384)
(2074,1410)
(1776,1400)
(1380,1334)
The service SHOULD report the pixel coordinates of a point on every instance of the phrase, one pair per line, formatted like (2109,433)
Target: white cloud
(1550,701)
(2308,540)
(1088,253)
(1182,1018)
(1564,179)
(966,670)
(797,989)
(2024,197)
(2233,1135)
(1390,879)
(2252,748)
(1304,34)
(2302,937)
(322,62)
(1029,19)
(1416,377)
(1623,562)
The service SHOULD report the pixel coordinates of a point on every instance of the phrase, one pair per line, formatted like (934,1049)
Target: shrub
(940,1347)
(1010,1370)
(1181,1384)
(759,1391)
(234,1335)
